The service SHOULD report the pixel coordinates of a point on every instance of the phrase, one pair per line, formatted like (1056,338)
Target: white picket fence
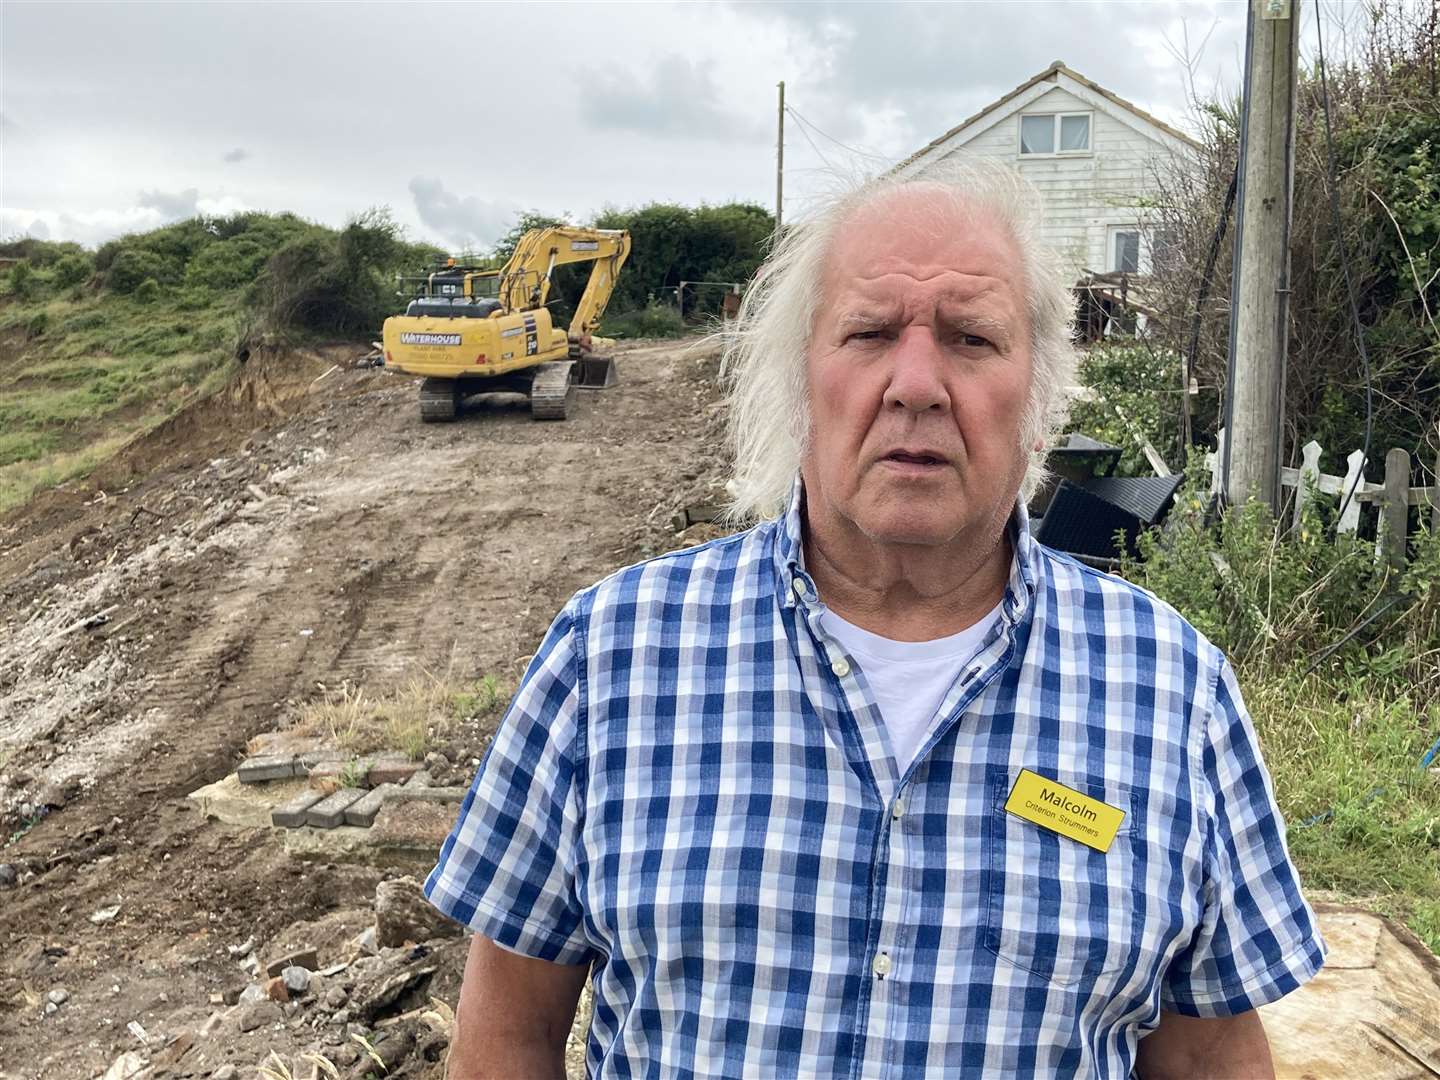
(1392,498)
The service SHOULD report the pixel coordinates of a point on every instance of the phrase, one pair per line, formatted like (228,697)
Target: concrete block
(326,774)
(330,811)
(362,811)
(256,770)
(292,814)
(388,769)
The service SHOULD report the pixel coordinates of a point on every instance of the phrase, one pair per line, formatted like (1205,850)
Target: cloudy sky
(117,117)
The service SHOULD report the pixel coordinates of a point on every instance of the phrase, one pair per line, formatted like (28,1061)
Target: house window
(1074,134)
(1037,135)
(1055,133)
(1125,251)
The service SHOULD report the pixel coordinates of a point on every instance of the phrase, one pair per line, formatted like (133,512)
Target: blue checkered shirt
(694,793)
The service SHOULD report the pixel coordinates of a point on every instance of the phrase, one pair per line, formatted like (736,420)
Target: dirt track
(287,505)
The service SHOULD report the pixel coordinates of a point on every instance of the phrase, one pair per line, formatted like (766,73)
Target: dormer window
(1052,134)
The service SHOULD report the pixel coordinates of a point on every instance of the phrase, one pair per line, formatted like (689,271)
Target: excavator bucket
(596,371)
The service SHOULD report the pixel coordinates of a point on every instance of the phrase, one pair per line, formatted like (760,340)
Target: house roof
(1048,75)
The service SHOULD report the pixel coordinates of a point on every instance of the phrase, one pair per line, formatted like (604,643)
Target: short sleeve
(507,869)
(1257,940)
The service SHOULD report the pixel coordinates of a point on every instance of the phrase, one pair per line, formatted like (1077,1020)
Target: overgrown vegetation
(1385,116)
(1340,666)
(411,718)
(97,346)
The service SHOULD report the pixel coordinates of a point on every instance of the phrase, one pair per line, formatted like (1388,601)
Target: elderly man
(881,787)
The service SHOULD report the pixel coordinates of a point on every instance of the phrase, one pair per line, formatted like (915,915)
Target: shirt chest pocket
(1055,907)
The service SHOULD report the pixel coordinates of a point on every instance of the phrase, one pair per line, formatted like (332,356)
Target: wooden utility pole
(1260,289)
(780,158)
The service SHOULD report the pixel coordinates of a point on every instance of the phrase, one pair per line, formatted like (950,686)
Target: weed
(408,719)
(354,774)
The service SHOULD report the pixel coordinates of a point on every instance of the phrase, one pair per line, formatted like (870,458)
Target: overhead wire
(828,164)
(819,131)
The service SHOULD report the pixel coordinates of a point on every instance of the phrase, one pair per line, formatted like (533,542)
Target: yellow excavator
(474,331)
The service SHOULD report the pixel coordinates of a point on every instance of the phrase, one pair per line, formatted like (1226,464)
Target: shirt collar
(796,584)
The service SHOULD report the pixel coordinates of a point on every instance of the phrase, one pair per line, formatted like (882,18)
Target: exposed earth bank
(301,531)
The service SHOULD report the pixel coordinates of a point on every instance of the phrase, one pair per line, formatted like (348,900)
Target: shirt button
(898,810)
(841,668)
(882,965)
(799,587)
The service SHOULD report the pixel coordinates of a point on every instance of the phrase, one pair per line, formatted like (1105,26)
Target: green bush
(38,324)
(1135,393)
(1274,598)
(132,267)
(148,291)
(73,269)
(653,321)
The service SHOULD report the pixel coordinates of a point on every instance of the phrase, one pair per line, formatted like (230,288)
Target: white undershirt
(909,678)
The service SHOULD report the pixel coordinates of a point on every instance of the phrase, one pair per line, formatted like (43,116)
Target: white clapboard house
(1093,156)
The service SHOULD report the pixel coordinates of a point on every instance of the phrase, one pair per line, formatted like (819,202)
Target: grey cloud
(38,229)
(232,156)
(464,221)
(171,205)
(937,63)
(678,98)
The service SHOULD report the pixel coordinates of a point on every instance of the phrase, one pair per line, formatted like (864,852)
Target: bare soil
(300,530)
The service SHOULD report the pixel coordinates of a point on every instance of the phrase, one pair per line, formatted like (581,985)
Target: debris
(304,958)
(250,965)
(336,997)
(225,1072)
(258,1015)
(8,875)
(333,368)
(58,996)
(127,1065)
(139,1032)
(297,980)
(306,632)
(245,948)
(251,994)
(277,990)
(402,914)
(379,1000)
(105,915)
(87,623)
(365,942)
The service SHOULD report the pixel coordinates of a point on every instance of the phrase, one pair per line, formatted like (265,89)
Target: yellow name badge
(1064,810)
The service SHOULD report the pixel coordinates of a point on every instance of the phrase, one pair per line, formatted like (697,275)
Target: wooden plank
(1395,511)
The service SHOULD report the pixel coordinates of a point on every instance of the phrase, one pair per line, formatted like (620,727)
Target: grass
(410,719)
(1364,818)
(100,368)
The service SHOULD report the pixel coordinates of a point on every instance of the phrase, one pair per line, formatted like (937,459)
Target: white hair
(765,348)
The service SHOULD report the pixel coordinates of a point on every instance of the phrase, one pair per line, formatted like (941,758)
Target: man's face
(918,374)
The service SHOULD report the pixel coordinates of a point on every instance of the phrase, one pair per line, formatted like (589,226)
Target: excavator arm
(525,281)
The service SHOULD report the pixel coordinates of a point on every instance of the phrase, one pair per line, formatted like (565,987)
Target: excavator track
(439,400)
(553,393)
